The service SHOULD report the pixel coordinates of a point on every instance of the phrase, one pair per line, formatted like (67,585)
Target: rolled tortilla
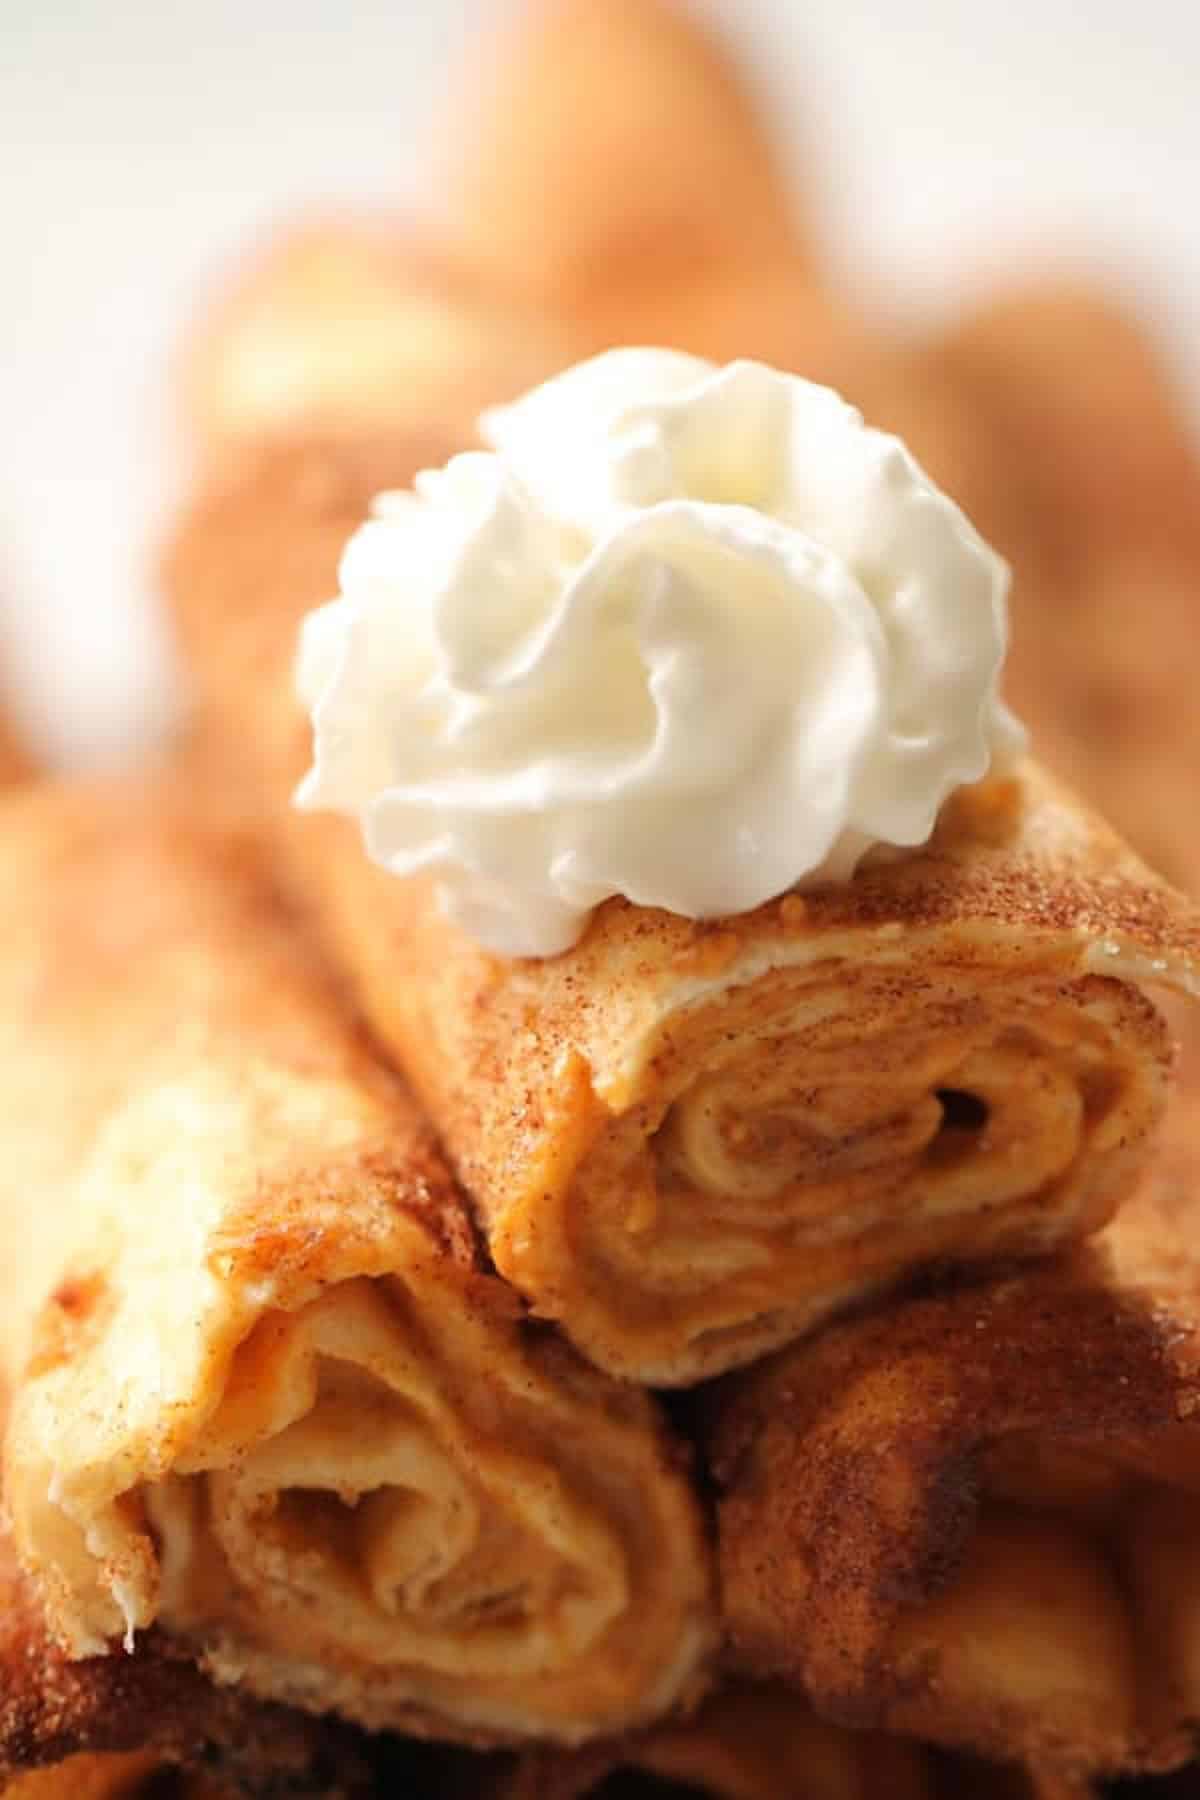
(689,1143)
(263,1393)
(974,1515)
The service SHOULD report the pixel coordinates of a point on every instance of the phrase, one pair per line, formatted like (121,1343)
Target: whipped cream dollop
(689,634)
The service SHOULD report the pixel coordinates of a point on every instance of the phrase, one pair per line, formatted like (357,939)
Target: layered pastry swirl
(263,1392)
(972,1515)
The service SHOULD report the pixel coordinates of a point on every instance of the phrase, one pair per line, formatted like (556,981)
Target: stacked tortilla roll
(973,1515)
(262,1392)
(604,1110)
(1014,1465)
(688,1143)
(237,1322)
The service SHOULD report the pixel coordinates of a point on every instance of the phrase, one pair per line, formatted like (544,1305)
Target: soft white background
(146,140)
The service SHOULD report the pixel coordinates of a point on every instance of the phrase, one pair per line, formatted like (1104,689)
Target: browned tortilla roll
(263,1394)
(974,1515)
(688,1143)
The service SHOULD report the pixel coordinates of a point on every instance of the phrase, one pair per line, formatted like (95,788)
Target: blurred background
(939,144)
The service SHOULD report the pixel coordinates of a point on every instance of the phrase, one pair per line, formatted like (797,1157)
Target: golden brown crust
(881,1487)
(182,895)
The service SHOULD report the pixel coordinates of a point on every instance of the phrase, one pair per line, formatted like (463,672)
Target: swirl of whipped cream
(688,634)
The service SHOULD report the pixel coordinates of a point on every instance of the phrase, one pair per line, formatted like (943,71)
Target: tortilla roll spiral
(973,1515)
(263,1393)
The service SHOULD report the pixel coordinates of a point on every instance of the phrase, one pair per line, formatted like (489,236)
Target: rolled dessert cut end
(973,1516)
(796,1109)
(263,1393)
(689,1142)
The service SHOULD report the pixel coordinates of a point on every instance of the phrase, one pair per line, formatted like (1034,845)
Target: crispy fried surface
(970,1516)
